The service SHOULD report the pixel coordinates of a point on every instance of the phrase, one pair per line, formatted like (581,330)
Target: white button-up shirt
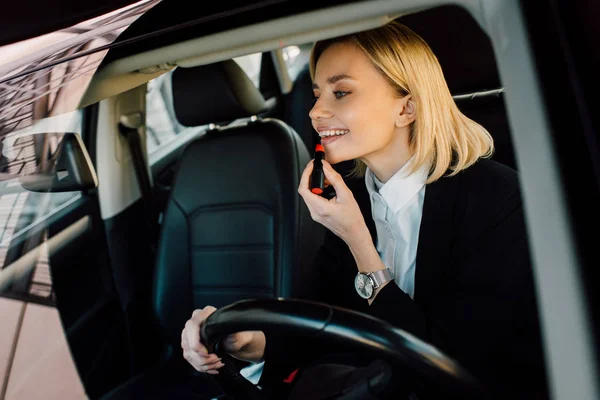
(397,207)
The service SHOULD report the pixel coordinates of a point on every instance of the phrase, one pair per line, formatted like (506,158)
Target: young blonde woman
(438,224)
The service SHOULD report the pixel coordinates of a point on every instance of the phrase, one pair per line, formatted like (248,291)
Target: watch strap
(381,277)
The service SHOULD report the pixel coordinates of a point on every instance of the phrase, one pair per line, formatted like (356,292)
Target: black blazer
(474,296)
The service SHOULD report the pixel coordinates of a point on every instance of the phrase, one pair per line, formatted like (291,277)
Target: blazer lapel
(435,232)
(435,235)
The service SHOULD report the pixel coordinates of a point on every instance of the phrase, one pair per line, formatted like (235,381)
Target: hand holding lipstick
(341,214)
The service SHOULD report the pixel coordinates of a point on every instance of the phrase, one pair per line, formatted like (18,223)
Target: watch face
(364,286)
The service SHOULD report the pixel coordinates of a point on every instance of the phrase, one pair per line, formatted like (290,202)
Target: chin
(336,158)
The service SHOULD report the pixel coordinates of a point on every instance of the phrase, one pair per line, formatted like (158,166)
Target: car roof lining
(128,72)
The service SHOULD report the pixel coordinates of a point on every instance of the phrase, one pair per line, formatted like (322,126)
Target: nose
(320,110)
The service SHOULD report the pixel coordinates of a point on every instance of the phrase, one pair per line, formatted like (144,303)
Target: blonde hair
(441,133)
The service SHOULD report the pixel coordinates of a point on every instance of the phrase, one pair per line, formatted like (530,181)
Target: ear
(407,113)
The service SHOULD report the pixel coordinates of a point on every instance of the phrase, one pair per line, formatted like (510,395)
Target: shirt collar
(400,188)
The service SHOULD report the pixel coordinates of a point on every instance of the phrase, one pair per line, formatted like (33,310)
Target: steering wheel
(335,325)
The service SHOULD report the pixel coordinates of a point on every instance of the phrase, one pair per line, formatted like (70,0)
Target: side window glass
(251,66)
(296,58)
(33,108)
(161,123)
(21,211)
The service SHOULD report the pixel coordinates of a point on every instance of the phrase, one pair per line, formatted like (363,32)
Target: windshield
(42,81)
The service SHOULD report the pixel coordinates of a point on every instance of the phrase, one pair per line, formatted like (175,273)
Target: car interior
(198,131)
(269,240)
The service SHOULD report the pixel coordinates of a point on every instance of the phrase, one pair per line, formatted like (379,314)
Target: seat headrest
(462,47)
(214,93)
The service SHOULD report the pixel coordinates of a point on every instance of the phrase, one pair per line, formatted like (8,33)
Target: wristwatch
(366,284)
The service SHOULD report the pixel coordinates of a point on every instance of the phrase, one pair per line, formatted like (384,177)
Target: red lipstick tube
(317,178)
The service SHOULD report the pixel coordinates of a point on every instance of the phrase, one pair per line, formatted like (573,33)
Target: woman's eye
(339,94)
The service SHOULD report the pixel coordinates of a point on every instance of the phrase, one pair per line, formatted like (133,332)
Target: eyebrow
(333,79)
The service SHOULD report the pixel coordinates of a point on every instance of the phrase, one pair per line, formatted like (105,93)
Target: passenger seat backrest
(235,226)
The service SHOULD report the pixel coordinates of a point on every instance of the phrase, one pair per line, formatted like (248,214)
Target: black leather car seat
(235,226)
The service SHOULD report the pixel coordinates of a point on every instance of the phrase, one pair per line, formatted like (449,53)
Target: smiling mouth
(335,132)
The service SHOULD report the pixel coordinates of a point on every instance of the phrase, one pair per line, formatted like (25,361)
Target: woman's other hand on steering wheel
(247,345)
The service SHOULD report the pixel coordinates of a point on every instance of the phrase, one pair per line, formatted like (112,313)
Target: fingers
(336,180)
(201,361)
(305,178)
(192,328)
(312,200)
(209,364)
(193,350)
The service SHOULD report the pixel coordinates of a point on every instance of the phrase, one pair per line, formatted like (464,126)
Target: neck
(386,162)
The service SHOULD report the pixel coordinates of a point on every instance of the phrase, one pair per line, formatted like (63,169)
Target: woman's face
(356,112)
